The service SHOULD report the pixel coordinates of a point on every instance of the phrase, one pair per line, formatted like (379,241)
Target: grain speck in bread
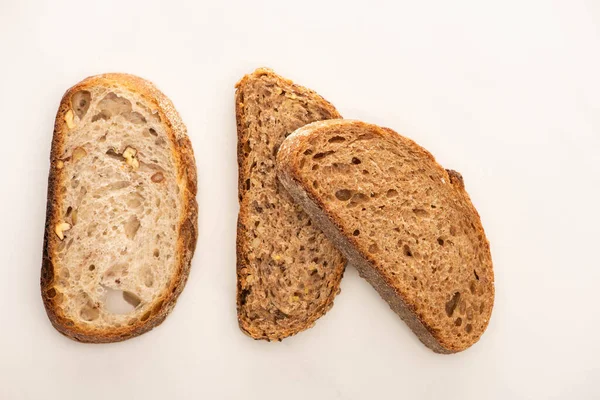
(406,223)
(288,273)
(121,213)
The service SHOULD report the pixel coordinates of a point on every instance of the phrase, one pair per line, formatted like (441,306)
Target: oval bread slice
(402,220)
(121,222)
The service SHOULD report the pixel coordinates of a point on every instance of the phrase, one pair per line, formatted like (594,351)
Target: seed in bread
(113,230)
(406,223)
(288,272)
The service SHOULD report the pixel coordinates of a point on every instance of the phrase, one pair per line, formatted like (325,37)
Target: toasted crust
(188,225)
(288,166)
(242,244)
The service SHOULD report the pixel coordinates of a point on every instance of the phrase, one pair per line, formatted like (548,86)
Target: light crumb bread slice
(121,223)
(288,273)
(406,223)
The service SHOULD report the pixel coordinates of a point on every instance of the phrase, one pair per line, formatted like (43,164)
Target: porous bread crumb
(288,272)
(121,240)
(405,222)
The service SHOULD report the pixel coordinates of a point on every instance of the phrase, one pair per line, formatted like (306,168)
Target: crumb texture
(405,218)
(288,272)
(117,202)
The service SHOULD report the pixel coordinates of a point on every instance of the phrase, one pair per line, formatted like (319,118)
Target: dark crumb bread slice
(288,273)
(121,222)
(405,222)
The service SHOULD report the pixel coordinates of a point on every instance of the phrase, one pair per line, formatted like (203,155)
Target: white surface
(506,92)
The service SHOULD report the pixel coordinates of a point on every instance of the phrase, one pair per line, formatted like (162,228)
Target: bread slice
(406,223)
(121,219)
(287,272)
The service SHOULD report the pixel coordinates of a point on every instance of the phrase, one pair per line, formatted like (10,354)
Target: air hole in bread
(365,172)
(315,167)
(473,287)
(420,212)
(51,293)
(406,250)
(145,316)
(452,304)
(152,131)
(360,198)
(320,156)
(337,139)
(476,276)
(469,328)
(356,232)
(134,117)
(356,161)
(440,241)
(366,136)
(120,302)
(157,177)
(110,106)
(80,102)
(343,194)
(392,193)
(156,253)
(147,276)
(135,200)
(373,248)
(462,307)
(244,296)
(89,313)
(92,267)
(308,152)
(113,154)
(156,309)
(115,272)
(132,226)
(458,321)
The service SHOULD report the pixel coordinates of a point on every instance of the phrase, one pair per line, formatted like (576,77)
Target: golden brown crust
(188,227)
(367,265)
(241,243)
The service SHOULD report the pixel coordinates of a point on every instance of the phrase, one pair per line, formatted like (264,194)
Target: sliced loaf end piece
(402,220)
(288,273)
(121,222)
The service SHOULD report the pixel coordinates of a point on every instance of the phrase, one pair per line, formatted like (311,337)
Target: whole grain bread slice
(288,273)
(121,222)
(406,223)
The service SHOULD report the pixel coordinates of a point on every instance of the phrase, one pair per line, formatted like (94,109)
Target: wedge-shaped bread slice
(405,222)
(121,219)
(288,272)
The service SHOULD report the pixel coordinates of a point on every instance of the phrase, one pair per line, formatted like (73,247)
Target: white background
(506,92)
